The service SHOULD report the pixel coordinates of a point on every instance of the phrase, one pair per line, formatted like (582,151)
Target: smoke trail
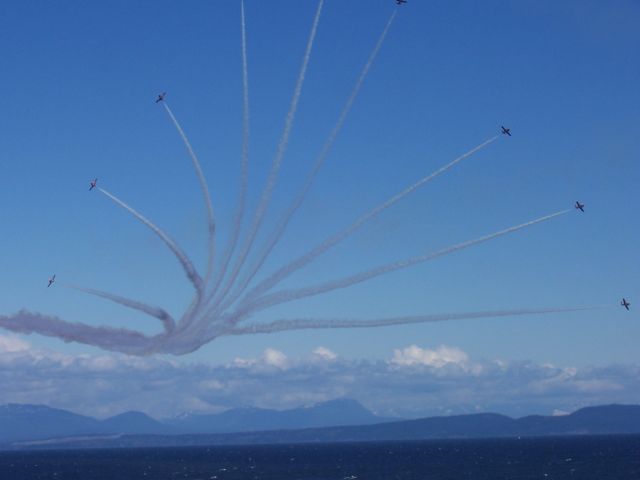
(300,262)
(313,323)
(188,267)
(115,339)
(205,191)
(284,222)
(156,312)
(277,161)
(284,296)
(244,163)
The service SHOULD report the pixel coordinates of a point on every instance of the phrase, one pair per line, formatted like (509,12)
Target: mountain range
(29,426)
(20,422)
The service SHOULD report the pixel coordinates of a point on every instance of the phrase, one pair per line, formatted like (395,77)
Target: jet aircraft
(625,304)
(93,184)
(161,97)
(51,280)
(506,131)
(580,206)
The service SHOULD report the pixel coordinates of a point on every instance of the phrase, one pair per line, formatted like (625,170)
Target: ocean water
(580,458)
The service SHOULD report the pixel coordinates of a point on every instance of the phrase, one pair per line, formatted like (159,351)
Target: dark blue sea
(606,457)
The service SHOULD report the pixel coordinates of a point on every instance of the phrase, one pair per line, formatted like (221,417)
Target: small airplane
(51,280)
(93,184)
(161,97)
(400,2)
(505,131)
(625,304)
(580,206)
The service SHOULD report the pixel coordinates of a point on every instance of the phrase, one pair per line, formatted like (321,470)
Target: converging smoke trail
(284,222)
(225,299)
(188,267)
(156,312)
(244,163)
(277,161)
(313,323)
(115,339)
(285,296)
(300,262)
(203,186)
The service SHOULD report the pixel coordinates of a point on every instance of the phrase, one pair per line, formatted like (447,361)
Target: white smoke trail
(200,324)
(244,163)
(205,191)
(188,267)
(314,323)
(156,312)
(284,296)
(115,339)
(300,262)
(284,222)
(277,161)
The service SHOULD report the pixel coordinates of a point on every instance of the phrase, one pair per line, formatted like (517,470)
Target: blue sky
(78,92)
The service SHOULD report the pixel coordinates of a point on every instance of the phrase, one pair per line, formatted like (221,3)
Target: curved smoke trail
(277,161)
(156,312)
(285,296)
(115,339)
(207,317)
(188,267)
(284,222)
(315,323)
(203,186)
(329,243)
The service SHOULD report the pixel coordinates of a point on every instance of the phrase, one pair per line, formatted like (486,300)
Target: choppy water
(611,457)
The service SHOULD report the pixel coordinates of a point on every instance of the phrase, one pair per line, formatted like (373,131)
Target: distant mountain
(331,413)
(27,422)
(38,422)
(611,419)
(135,423)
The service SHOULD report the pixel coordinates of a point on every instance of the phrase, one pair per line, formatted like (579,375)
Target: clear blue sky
(78,88)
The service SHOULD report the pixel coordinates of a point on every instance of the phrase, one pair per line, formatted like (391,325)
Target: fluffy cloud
(323,353)
(274,358)
(10,344)
(414,381)
(270,358)
(439,357)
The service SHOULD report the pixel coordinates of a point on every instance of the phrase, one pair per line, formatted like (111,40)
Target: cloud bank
(413,381)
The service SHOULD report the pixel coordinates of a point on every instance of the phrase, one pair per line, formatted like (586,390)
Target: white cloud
(416,381)
(244,362)
(325,354)
(275,358)
(439,357)
(270,357)
(12,344)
